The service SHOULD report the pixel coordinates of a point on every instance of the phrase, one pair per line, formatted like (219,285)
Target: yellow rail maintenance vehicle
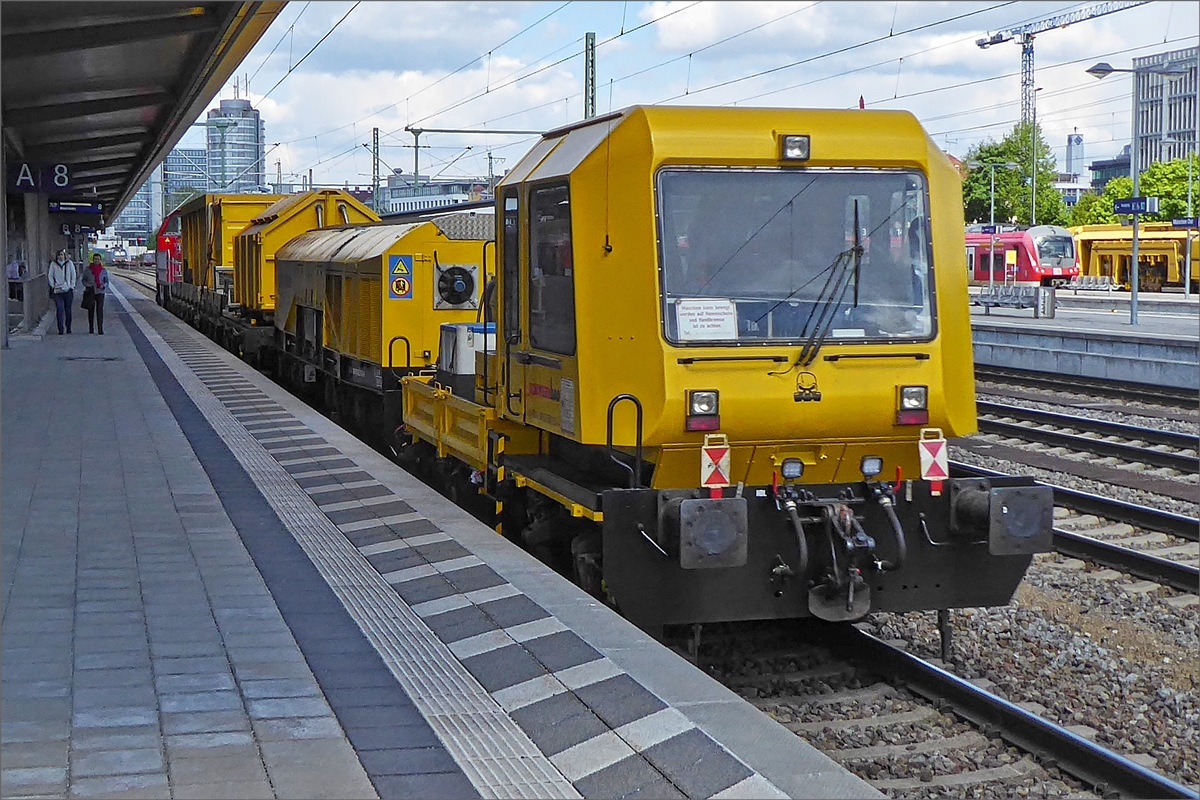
(1163,258)
(208,225)
(731,345)
(362,306)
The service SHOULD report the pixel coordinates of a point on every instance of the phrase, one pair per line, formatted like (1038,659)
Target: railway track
(1158,565)
(909,727)
(1089,387)
(1163,449)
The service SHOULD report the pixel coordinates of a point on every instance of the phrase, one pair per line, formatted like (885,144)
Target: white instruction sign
(706,320)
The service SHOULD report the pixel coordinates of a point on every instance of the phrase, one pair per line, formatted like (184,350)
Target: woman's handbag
(89,300)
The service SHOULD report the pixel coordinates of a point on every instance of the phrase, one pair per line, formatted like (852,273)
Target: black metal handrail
(407,355)
(635,472)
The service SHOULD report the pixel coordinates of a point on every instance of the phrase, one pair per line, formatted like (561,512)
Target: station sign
(1136,205)
(987,228)
(71,207)
(25,176)
(1184,222)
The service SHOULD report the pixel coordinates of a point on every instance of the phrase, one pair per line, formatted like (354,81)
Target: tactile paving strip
(600,728)
(496,755)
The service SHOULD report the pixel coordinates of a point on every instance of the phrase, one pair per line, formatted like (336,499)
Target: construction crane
(1023,35)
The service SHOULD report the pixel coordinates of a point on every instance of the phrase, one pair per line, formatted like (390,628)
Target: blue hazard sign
(400,277)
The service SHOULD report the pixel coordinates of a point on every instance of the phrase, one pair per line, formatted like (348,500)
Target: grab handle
(635,472)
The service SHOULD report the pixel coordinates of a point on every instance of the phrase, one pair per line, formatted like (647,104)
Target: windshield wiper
(839,279)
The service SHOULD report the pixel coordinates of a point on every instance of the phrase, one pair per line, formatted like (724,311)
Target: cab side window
(512,268)
(551,270)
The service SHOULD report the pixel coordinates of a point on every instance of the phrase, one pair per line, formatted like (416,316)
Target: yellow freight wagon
(362,306)
(254,248)
(1107,250)
(209,224)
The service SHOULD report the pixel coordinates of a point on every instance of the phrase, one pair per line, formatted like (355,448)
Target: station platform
(211,590)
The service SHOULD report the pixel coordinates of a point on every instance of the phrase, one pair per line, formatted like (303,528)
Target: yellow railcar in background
(210,222)
(362,306)
(722,336)
(254,248)
(1107,251)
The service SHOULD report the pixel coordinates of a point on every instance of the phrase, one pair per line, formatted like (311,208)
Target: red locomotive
(1044,255)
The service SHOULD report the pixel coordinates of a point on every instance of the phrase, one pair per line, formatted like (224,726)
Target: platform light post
(992,242)
(1103,70)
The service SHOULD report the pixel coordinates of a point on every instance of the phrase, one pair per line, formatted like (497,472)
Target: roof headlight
(795,148)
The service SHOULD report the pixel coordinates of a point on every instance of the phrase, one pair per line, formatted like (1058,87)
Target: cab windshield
(762,255)
(1056,251)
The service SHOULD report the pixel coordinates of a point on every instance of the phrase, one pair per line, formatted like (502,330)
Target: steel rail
(1179,441)
(1110,773)
(1184,577)
(1125,452)
(1075,384)
(1152,519)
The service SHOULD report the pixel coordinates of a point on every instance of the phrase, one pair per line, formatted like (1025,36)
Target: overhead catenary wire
(310,51)
(289,30)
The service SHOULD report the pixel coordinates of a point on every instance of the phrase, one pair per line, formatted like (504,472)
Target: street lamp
(1103,70)
(1033,163)
(992,244)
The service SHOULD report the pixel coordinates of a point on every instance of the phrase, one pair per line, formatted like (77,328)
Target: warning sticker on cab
(400,277)
(714,461)
(706,320)
(935,463)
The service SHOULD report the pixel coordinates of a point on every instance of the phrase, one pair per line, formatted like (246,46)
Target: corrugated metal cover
(344,245)
(529,162)
(279,206)
(481,226)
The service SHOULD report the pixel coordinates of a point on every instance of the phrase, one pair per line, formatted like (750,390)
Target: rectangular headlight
(913,397)
(703,403)
(795,148)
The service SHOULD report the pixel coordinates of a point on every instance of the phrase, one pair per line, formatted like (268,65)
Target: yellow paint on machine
(209,224)
(347,273)
(255,247)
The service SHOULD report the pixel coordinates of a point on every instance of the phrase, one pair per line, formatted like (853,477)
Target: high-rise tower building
(1166,106)
(236,142)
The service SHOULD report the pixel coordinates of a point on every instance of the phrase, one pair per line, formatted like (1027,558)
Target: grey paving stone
(91,699)
(276,708)
(460,623)
(25,781)
(34,754)
(137,737)
(224,790)
(431,785)
(40,731)
(192,649)
(112,644)
(193,769)
(116,717)
(473,578)
(116,762)
(189,665)
(205,722)
(270,670)
(193,683)
(131,629)
(558,722)
(416,527)
(391,737)
(209,742)
(696,764)
(411,761)
(25,709)
(441,551)
(289,728)
(619,700)
(514,610)
(103,678)
(205,701)
(124,786)
(630,777)
(504,667)
(124,658)
(36,689)
(561,650)
(281,687)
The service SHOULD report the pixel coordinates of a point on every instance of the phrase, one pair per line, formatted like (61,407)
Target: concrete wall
(1133,357)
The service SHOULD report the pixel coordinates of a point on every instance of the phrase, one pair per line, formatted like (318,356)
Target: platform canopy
(108,88)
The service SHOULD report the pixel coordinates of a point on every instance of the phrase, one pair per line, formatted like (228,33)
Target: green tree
(1090,210)
(1012,185)
(1166,180)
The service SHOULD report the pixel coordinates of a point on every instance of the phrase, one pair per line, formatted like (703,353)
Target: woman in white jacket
(62,278)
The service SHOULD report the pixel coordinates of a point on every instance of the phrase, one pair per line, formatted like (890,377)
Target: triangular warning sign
(935,465)
(714,465)
(399,269)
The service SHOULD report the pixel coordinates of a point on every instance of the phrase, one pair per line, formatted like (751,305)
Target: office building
(236,145)
(1165,106)
(1105,169)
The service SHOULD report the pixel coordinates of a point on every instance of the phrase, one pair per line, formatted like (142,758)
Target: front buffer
(834,551)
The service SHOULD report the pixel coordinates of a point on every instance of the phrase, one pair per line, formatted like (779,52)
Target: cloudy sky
(519,66)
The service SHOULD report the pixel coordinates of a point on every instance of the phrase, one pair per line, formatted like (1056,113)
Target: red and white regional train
(1044,255)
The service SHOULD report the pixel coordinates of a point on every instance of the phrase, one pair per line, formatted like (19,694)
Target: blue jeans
(62,306)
